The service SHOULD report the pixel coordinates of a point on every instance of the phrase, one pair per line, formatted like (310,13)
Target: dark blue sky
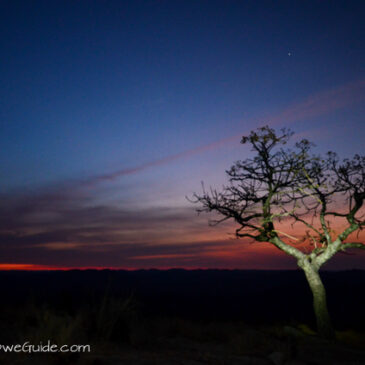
(92,88)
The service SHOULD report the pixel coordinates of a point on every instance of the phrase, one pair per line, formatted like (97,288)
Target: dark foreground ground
(180,317)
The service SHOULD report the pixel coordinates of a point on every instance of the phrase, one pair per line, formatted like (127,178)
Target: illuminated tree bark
(324,324)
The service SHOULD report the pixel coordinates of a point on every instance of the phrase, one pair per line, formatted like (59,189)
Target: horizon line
(45,268)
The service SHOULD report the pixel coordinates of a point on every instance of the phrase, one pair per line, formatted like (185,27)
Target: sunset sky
(112,112)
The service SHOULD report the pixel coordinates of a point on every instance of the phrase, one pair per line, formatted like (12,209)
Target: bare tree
(282,184)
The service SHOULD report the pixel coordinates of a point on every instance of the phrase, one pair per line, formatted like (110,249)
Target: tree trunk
(324,324)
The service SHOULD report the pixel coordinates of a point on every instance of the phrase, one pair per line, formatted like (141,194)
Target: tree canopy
(292,184)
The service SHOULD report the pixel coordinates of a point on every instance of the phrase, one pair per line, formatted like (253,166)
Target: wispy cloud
(315,105)
(323,103)
(49,225)
(160,162)
(45,230)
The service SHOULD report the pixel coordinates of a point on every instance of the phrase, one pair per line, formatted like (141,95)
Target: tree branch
(290,250)
(347,245)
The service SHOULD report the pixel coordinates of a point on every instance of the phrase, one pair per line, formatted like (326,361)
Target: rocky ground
(218,344)
(250,348)
(180,317)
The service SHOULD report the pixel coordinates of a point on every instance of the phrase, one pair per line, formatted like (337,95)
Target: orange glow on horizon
(27,267)
(208,249)
(35,267)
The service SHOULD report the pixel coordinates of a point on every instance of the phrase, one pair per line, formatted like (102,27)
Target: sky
(113,112)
